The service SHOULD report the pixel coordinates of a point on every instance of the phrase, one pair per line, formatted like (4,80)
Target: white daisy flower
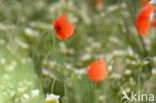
(153,2)
(51,98)
(35,93)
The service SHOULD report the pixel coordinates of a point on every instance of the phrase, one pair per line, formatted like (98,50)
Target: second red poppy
(63,29)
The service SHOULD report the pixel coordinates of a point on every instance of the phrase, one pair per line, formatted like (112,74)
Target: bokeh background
(33,58)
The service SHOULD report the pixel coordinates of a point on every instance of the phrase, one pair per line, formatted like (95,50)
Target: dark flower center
(57,28)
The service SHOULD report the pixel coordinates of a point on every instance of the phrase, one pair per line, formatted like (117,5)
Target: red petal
(66,30)
(63,29)
(62,18)
(143,20)
(97,71)
(55,24)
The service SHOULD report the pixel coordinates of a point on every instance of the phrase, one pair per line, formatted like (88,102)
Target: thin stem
(127,32)
(143,46)
(53,84)
(65,88)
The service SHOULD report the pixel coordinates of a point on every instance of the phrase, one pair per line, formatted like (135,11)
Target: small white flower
(116,75)
(151,16)
(110,68)
(26,96)
(145,62)
(118,53)
(80,71)
(128,72)
(21,90)
(86,57)
(101,98)
(51,98)
(23,45)
(35,93)
(153,2)
(153,71)
(68,66)
(31,33)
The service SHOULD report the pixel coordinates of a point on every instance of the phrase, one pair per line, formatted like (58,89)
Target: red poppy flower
(97,71)
(143,19)
(144,2)
(153,23)
(63,29)
(99,3)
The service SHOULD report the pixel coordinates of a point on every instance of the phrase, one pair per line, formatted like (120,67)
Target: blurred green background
(33,58)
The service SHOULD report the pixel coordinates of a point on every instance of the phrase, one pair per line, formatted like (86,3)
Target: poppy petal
(62,18)
(55,24)
(62,28)
(97,71)
(143,20)
(66,30)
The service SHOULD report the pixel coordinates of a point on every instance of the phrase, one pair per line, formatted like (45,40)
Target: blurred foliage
(32,57)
